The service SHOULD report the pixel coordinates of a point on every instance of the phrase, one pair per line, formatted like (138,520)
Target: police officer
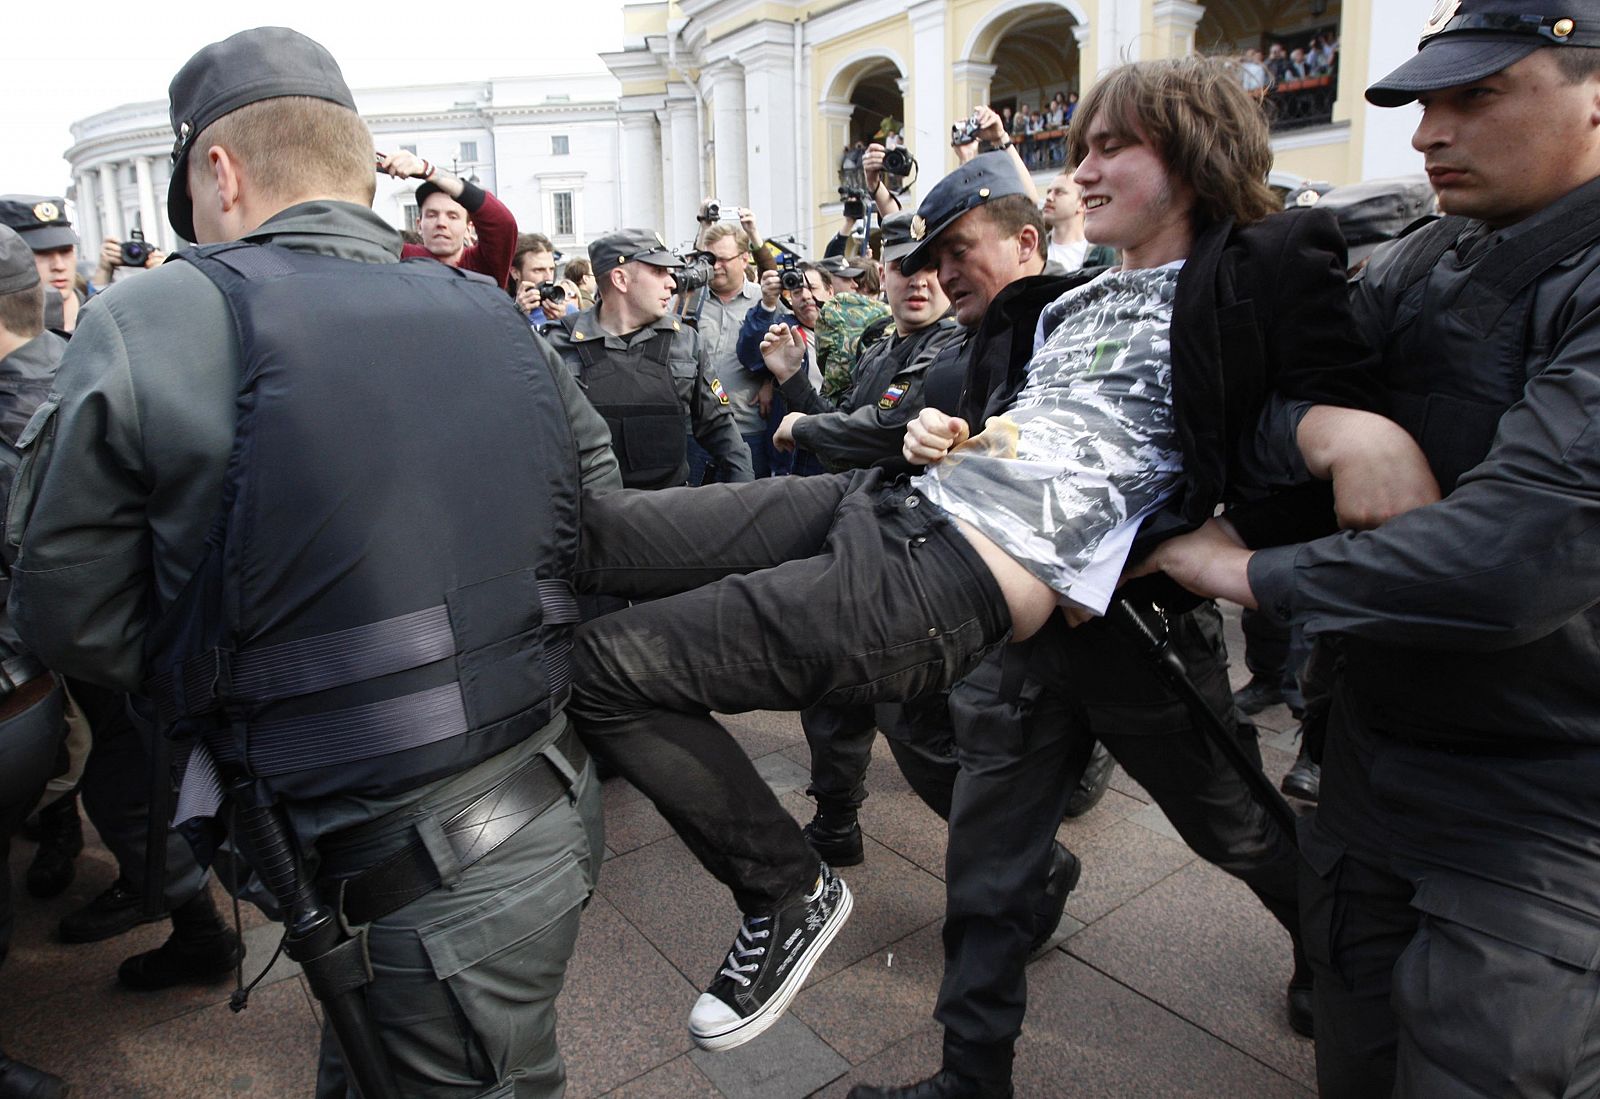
(41,220)
(1452,896)
(441,531)
(644,369)
(31,723)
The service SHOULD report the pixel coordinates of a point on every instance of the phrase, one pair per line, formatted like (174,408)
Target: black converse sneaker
(766,967)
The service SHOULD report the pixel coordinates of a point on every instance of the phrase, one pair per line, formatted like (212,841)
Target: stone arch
(1006,16)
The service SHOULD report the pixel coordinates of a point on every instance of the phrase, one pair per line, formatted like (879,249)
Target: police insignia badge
(716,388)
(1443,12)
(46,211)
(892,395)
(919,227)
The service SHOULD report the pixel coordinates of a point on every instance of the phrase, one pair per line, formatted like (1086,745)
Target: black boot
(1304,779)
(111,913)
(200,950)
(1301,1018)
(1059,882)
(1257,695)
(20,1081)
(943,1085)
(60,842)
(1092,783)
(835,835)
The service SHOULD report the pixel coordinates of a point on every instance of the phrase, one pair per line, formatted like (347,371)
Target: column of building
(148,220)
(773,153)
(927,125)
(88,212)
(1175,23)
(723,83)
(680,161)
(641,152)
(110,202)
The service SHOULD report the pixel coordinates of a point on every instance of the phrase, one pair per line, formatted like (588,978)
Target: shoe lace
(744,948)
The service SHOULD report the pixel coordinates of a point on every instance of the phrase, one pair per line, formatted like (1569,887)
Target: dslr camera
(135,251)
(552,293)
(899,161)
(790,277)
(855,202)
(695,272)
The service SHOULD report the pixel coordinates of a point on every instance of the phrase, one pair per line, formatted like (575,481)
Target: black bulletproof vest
(640,405)
(384,598)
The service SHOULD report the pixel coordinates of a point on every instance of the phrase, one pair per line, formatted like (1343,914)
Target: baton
(1168,665)
(335,964)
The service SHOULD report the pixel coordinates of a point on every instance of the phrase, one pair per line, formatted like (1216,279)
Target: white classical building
(546,146)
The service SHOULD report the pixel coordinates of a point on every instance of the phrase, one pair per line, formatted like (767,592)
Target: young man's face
(1131,201)
(728,266)
(443,226)
(915,301)
(1510,144)
(975,261)
(57,267)
(536,267)
(1063,201)
(649,289)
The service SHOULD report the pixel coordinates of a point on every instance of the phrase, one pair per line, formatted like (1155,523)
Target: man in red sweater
(446,204)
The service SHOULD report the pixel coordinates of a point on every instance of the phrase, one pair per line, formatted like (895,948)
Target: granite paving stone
(787,1062)
(1119,864)
(879,1000)
(677,1079)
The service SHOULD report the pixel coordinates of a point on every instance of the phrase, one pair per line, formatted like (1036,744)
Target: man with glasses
(729,298)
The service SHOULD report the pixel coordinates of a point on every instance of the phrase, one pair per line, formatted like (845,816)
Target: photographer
(135,254)
(646,371)
(533,273)
(884,200)
(985,132)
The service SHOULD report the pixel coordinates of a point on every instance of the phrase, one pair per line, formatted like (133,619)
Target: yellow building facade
(755,102)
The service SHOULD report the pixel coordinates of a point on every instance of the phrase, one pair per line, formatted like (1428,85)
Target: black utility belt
(477,829)
(18,670)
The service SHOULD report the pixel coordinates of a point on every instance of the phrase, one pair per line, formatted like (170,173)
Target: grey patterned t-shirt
(1087,449)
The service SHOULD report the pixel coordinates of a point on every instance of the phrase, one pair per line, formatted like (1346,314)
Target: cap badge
(1443,12)
(1562,28)
(983,192)
(1308,197)
(46,211)
(919,227)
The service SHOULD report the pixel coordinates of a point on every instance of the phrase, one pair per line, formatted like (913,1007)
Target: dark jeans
(841,588)
(1025,723)
(919,735)
(1275,654)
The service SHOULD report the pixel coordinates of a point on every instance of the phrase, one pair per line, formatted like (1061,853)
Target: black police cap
(982,179)
(264,63)
(1467,40)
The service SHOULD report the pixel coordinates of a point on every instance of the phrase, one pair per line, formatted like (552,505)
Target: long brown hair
(1195,113)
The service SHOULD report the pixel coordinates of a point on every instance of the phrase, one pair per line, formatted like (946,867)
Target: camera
(717,210)
(552,293)
(855,202)
(966,132)
(899,162)
(136,251)
(696,271)
(790,277)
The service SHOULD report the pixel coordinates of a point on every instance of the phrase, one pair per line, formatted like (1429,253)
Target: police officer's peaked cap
(40,220)
(982,179)
(1376,210)
(1467,40)
(836,265)
(264,63)
(17,269)
(614,249)
(897,239)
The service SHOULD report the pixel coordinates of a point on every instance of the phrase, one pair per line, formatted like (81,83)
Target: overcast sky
(91,55)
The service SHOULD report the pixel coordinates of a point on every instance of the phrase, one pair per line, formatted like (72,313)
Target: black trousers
(1025,721)
(776,594)
(1449,904)
(919,733)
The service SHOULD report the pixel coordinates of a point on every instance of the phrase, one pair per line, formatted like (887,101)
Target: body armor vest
(384,598)
(640,405)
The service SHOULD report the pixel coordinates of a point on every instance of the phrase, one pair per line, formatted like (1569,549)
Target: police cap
(17,269)
(982,179)
(614,249)
(836,265)
(1377,210)
(39,219)
(897,239)
(1467,40)
(264,63)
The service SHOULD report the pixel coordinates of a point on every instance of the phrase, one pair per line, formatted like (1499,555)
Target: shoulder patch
(895,392)
(717,390)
